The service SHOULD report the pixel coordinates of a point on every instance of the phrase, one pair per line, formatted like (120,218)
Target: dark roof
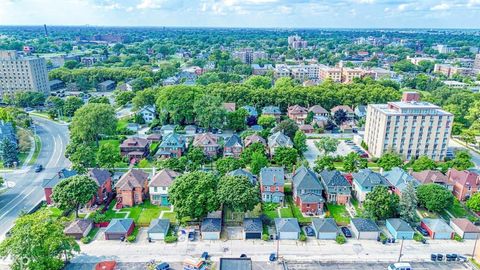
(164,178)
(243,172)
(172,140)
(272,176)
(252,225)
(211,225)
(159,225)
(119,225)
(325,225)
(235,264)
(399,225)
(304,178)
(369,178)
(100,176)
(334,178)
(62,174)
(311,198)
(134,178)
(364,225)
(79,226)
(233,140)
(287,225)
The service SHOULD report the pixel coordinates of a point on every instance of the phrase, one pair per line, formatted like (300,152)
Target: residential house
(318,111)
(437,228)
(49,184)
(208,142)
(364,181)
(431,176)
(106,86)
(119,228)
(364,228)
(272,111)
(78,228)
(307,129)
(272,182)
(278,139)
(154,138)
(256,128)
(361,111)
(287,228)
(133,127)
(132,188)
(465,228)
(350,113)
(252,228)
(211,228)
(242,172)
(103,178)
(325,228)
(229,106)
(307,191)
(465,183)
(399,179)
(399,228)
(135,148)
(148,114)
(158,228)
(251,110)
(190,130)
(297,113)
(159,185)
(172,145)
(167,129)
(254,138)
(337,188)
(233,146)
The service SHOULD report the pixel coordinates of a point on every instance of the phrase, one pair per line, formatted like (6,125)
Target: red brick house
(135,148)
(233,147)
(49,184)
(465,183)
(208,143)
(103,178)
(307,191)
(297,113)
(254,138)
(132,188)
(307,129)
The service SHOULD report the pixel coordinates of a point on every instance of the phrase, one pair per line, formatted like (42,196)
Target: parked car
(204,255)
(433,257)
(309,231)
(400,266)
(191,236)
(346,232)
(422,231)
(38,168)
(163,266)
(273,257)
(439,257)
(243,256)
(461,258)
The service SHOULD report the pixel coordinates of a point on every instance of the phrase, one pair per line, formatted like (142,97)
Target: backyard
(142,214)
(339,213)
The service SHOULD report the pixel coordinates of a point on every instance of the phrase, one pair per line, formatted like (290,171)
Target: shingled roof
(134,178)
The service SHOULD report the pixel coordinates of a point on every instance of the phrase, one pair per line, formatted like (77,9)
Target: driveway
(234,233)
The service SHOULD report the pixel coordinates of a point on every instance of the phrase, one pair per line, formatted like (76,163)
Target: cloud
(442,6)
(150,4)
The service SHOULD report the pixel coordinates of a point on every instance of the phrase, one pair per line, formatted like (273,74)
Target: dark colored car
(346,232)
(38,168)
(309,231)
(204,255)
(163,266)
(461,258)
(243,256)
(422,231)
(272,257)
(433,257)
(191,236)
(439,257)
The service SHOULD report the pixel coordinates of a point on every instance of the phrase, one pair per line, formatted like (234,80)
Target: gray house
(337,189)
(272,182)
(242,172)
(287,228)
(211,228)
(107,85)
(325,228)
(158,228)
(364,228)
(365,181)
(236,264)
(307,191)
(399,179)
(278,139)
(252,228)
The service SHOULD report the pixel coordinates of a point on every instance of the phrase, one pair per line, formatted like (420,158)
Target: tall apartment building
(300,72)
(444,49)
(296,42)
(334,74)
(409,127)
(19,73)
(449,70)
(248,55)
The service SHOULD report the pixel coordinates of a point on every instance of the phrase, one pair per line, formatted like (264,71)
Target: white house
(158,187)
(148,114)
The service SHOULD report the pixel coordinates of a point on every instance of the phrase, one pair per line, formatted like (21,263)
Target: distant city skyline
(245,13)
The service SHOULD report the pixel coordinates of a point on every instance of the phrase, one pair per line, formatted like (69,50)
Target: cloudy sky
(245,13)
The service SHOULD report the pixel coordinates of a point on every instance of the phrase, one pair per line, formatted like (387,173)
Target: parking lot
(345,147)
(373,266)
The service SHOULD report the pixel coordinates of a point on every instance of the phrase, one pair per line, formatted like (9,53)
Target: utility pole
(401,249)
(474,247)
(278,246)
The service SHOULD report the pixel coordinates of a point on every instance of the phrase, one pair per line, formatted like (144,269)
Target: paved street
(475,155)
(26,191)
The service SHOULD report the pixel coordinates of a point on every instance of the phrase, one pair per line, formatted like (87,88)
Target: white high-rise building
(410,128)
(19,73)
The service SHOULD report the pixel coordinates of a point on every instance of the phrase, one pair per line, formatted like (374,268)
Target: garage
(211,228)
(252,228)
(158,229)
(287,228)
(363,228)
(325,228)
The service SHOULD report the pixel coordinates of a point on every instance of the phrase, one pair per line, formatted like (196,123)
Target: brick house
(103,178)
(272,111)
(254,138)
(49,184)
(135,148)
(465,183)
(272,182)
(337,188)
(172,145)
(208,143)
(307,191)
(233,147)
(132,188)
(297,113)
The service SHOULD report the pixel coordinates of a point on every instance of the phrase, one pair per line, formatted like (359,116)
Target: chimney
(410,97)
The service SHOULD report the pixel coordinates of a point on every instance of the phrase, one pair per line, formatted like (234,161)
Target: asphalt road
(25,185)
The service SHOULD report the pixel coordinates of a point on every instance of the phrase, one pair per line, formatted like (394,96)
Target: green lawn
(270,210)
(426,214)
(286,212)
(122,124)
(142,214)
(339,213)
(93,232)
(358,208)
(171,216)
(38,147)
(115,143)
(296,211)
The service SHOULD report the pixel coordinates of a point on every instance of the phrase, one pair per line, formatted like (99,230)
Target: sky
(245,13)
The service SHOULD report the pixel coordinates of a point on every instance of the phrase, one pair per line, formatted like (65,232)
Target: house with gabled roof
(158,228)
(250,110)
(364,181)
(208,142)
(254,138)
(318,110)
(148,114)
(159,185)
(211,228)
(49,184)
(437,228)
(252,228)
(432,176)
(465,183)
(307,191)
(103,178)
(272,183)
(119,228)
(363,228)
(347,109)
(132,188)
(135,148)
(172,145)
(278,139)
(287,228)
(79,228)
(243,172)
(399,180)
(337,188)
(465,228)
(233,146)
(297,113)
(273,111)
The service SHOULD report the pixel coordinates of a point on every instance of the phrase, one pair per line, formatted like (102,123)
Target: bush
(265,237)
(170,239)
(340,239)
(131,238)
(303,237)
(98,217)
(86,239)
(458,238)
(418,237)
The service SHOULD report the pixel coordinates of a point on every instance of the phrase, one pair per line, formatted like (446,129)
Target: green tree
(194,194)
(257,162)
(434,197)
(237,193)
(71,64)
(248,152)
(228,164)
(380,204)
(108,154)
(93,120)
(8,152)
(71,105)
(266,121)
(353,162)
(474,202)
(176,164)
(462,161)
(423,163)
(285,156)
(327,145)
(73,192)
(389,160)
(236,120)
(408,204)
(300,141)
(324,163)
(123,97)
(196,157)
(99,99)
(81,155)
(259,82)
(37,242)
(288,127)
(209,112)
